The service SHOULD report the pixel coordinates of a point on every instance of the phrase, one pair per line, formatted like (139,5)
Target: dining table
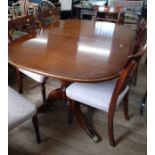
(74,50)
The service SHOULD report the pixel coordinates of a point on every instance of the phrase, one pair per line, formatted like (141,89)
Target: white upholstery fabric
(18,34)
(135,5)
(131,14)
(97,95)
(37,77)
(19,109)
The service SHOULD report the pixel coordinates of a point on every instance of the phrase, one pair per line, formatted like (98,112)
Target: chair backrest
(46,13)
(23,7)
(131,4)
(137,56)
(52,13)
(140,42)
(141,28)
(10,12)
(46,5)
(125,77)
(141,36)
(28,21)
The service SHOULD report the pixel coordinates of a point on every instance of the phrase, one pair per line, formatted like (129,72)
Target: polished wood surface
(74,50)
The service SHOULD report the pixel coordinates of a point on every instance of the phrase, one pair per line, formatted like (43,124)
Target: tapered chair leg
(71,107)
(125,105)
(135,76)
(36,127)
(43,91)
(146,61)
(110,128)
(20,81)
(143,103)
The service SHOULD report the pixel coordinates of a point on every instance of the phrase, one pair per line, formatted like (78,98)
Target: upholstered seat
(19,109)
(131,17)
(18,34)
(131,14)
(37,77)
(97,95)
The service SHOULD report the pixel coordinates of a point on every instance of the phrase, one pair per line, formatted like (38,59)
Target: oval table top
(74,50)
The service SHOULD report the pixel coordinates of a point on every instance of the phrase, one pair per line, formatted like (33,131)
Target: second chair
(105,96)
(29,22)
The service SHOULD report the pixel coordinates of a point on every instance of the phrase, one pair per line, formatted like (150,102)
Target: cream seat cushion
(18,34)
(19,109)
(97,95)
(37,77)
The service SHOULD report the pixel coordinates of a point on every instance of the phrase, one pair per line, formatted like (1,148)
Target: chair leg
(71,107)
(43,91)
(143,103)
(36,127)
(135,76)
(20,81)
(146,61)
(125,104)
(110,128)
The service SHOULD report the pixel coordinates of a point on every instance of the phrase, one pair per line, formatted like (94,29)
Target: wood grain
(74,50)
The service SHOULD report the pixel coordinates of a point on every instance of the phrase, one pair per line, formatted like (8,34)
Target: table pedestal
(60,93)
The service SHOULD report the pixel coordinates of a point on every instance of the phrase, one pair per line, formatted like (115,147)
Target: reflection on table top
(75,50)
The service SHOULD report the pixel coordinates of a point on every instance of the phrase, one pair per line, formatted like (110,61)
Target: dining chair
(132,10)
(20,110)
(131,16)
(29,22)
(141,39)
(143,102)
(105,96)
(141,31)
(42,17)
(141,28)
(19,27)
(10,12)
(46,5)
(21,7)
(49,5)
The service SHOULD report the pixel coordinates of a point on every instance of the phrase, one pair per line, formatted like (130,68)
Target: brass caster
(95,139)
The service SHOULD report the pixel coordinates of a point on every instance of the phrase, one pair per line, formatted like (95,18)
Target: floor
(58,138)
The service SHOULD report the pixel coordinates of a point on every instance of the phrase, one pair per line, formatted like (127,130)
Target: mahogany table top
(74,50)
